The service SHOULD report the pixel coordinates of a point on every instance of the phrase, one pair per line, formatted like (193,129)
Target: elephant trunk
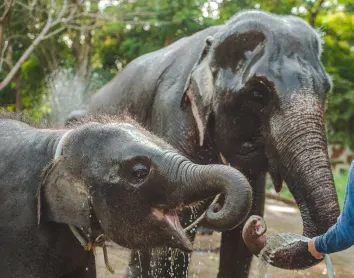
(195,182)
(298,134)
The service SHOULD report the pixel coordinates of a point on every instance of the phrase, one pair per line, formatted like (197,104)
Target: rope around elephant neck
(89,244)
(216,199)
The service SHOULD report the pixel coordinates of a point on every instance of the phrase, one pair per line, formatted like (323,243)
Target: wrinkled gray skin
(254,90)
(113,178)
(253,234)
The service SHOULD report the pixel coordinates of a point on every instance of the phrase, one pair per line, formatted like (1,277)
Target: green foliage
(32,92)
(338,57)
(340,181)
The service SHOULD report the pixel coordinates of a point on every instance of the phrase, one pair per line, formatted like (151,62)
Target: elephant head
(259,89)
(117,178)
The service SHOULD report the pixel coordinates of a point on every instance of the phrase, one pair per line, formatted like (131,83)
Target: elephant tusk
(223,159)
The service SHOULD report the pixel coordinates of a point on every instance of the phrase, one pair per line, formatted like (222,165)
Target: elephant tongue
(172,219)
(178,235)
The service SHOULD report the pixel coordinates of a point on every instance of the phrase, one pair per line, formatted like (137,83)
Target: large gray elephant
(110,177)
(250,93)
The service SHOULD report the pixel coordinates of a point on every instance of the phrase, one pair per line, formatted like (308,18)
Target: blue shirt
(341,235)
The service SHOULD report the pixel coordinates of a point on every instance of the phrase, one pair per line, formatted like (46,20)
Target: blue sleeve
(341,235)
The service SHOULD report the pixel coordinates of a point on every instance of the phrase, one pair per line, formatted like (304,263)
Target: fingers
(313,251)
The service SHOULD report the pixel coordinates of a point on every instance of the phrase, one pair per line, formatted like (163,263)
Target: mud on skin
(113,177)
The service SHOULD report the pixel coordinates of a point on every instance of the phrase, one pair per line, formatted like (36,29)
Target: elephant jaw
(170,218)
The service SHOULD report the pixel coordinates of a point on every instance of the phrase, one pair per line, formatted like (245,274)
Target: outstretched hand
(313,251)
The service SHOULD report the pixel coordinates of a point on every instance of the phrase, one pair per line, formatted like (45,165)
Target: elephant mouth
(170,218)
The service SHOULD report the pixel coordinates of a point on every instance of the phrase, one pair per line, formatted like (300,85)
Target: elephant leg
(86,271)
(162,263)
(139,265)
(235,257)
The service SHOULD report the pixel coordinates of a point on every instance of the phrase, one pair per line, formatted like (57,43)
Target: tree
(57,19)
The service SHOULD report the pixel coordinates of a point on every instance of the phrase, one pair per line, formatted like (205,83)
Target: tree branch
(41,36)
(313,14)
(24,57)
(54,32)
(82,28)
(8,4)
(45,33)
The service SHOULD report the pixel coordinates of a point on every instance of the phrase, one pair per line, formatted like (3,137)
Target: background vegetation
(93,40)
(340,181)
(61,51)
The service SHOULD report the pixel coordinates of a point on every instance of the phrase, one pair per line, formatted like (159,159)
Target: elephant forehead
(137,136)
(288,29)
(259,19)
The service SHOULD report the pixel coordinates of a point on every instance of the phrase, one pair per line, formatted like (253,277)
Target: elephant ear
(199,89)
(62,198)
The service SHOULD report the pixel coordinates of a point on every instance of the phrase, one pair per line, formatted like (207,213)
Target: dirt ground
(279,218)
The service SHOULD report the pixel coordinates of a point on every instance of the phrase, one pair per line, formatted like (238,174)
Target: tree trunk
(3,18)
(313,14)
(19,103)
(88,57)
(17,78)
(1,37)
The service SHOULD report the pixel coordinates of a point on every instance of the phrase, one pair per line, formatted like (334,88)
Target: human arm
(341,235)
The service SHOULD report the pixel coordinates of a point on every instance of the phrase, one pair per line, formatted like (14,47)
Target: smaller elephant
(103,176)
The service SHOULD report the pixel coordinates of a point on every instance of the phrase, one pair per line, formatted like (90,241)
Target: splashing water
(141,269)
(67,92)
(277,242)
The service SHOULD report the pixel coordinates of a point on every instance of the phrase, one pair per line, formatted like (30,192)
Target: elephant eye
(139,173)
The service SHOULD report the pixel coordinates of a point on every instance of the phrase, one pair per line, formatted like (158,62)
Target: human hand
(313,251)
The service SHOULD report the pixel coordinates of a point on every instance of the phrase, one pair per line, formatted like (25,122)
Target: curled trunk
(298,135)
(195,182)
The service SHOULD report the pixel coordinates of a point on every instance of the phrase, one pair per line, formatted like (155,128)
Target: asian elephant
(250,93)
(108,177)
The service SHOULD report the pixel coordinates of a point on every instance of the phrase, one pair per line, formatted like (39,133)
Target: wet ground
(279,218)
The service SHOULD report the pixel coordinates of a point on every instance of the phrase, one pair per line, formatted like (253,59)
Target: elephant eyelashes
(135,170)
(139,173)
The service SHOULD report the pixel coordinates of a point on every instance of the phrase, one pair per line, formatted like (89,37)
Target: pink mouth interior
(171,217)
(259,228)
